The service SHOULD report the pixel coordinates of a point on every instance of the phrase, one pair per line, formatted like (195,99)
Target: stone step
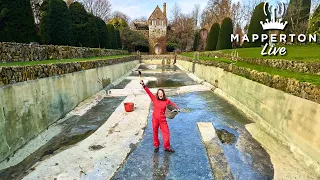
(218,161)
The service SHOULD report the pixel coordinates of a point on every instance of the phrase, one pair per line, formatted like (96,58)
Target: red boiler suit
(159,119)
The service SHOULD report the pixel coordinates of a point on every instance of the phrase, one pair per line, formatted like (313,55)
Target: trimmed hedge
(196,41)
(56,24)
(255,26)
(16,21)
(113,37)
(224,41)
(213,37)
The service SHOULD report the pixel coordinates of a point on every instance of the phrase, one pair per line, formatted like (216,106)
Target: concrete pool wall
(294,121)
(28,108)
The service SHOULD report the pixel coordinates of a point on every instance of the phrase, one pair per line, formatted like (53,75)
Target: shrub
(16,21)
(224,41)
(212,39)
(196,41)
(55,24)
(255,26)
(112,35)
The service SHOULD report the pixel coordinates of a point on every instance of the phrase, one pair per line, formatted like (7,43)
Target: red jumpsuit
(159,119)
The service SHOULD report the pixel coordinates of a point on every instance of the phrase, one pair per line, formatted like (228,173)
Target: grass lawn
(302,77)
(57,61)
(306,53)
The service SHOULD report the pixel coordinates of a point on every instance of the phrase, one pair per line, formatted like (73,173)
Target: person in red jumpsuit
(160,102)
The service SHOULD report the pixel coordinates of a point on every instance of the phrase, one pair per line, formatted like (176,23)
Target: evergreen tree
(16,21)
(56,23)
(196,41)
(80,19)
(255,26)
(118,39)
(93,31)
(102,33)
(112,35)
(224,41)
(213,36)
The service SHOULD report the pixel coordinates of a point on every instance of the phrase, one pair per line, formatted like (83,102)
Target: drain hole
(226,137)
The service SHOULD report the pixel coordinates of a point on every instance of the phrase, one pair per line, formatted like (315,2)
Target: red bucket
(128,106)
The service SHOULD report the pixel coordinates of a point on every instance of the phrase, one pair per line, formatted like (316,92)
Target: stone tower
(158,30)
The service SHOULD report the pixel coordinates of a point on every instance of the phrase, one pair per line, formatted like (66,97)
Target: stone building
(158,30)
(155,29)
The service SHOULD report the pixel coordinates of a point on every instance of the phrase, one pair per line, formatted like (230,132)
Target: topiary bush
(117,32)
(255,26)
(112,35)
(196,41)
(224,41)
(17,22)
(55,23)
(213,36)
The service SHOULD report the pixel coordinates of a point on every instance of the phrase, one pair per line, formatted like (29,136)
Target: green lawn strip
(58,61)
(302,77)
(305,53)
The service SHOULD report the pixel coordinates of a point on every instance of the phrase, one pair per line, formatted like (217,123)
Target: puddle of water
(76,128)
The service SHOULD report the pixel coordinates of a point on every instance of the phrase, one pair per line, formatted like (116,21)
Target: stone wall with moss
(289,85)
(28,108)
(291,120)
(297,66)
(14,74)
(13,52)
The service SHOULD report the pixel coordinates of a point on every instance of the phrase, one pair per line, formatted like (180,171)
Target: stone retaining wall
(289,85)
(28,108)
(14,74)
(297,66)
(13,52)
(293,121)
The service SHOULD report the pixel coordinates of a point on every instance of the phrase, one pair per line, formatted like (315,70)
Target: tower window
(154,22)
(162,23)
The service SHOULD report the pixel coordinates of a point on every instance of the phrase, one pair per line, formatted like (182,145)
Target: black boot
(170,150)
(156,149)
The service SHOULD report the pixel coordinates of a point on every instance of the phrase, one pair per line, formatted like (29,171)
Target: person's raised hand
(141,82)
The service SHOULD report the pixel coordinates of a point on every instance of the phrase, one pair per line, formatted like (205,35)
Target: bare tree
(183,31)
(196,13)
(247,11)
(100,8)
(69,2)
(314,5)
(121,15)
(176,12)
(215,11)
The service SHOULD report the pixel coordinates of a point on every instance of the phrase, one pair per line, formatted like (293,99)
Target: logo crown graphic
(274,24)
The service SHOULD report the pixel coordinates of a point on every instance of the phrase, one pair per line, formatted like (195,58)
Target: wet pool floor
(75,129)
(246,158)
